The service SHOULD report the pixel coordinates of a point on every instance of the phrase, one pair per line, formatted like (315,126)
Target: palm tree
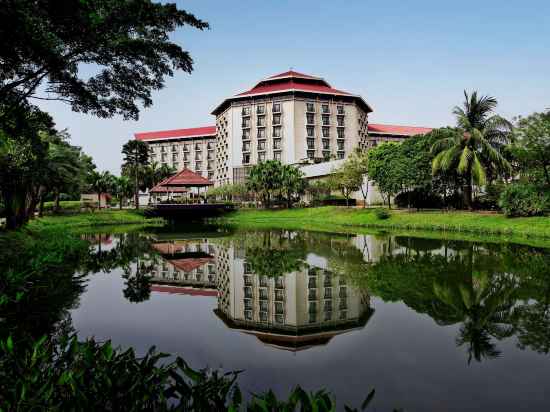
(136,158)
(123,189)
(100,183)
(474,148)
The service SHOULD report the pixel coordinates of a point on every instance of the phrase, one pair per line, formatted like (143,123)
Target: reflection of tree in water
(133,254)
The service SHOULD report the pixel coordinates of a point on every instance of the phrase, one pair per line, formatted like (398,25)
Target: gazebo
(185,184)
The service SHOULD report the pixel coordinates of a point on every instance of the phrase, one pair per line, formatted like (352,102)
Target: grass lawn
(333,218)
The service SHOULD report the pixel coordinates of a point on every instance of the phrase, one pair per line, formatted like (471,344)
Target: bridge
(188,211)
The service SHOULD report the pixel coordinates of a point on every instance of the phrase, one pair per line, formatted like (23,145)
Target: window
(198,147)
(210,145)
(326,120)
(310,107)
(279,294)
(246,122)
(328,293)
(276,132)
(312,282)
(186,156)
(261,133)
(279,318)
(163,149)
(276,144)
(263,293)
(310,118)
(246,111)
(246,146)
(328,316)
(186,165)
(174,148)
(340,109)
(263,316)
(210,175)
(210,165)
(326,132)
(176,165)
(174,157)
(312,294)
(340,120)
(312,307)
(198,166)
(276,107)
(277,156)
(198,156)
(326,155)
(310,130)
(246,134)
(248,304)
(263,305)
(279,308)
(343,292)
(248,314)
(340,145)
(311,154)
(261,121)
(246,158)
(279,282)
(311,143)
(247,268)
(261,157)
(341,155)
(326,144)
(186,147)
(210,155)
(260,109)
(261,145)
(325,108)
(276,119)
(341,133)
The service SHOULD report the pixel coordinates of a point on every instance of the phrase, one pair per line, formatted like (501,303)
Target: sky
(410,60)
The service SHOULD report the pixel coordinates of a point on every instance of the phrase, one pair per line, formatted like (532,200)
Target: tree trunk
(120,203)
(136,193)
(389,201)
(41,206)
(468,193)
(56,202)
(99,200)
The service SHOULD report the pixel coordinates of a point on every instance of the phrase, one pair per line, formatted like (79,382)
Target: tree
(136,158)
(123,189)
(292,183)
(532,147)
(385,169)
(100,56)
(266,179)
(101,183)
(357,167)
(475,147)
(347,179)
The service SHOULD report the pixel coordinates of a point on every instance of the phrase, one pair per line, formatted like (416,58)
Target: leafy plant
(382,214)
(520,199)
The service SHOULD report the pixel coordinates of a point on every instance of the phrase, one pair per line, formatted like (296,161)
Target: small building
(185,186)
(92,199)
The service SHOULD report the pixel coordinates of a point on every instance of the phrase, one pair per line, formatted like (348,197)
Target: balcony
(245,111)
(260,110)
(325,109)
(276,108)
(340,110)
(310,108)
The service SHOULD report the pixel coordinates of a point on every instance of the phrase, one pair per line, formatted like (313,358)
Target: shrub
(382,214)
(523,200)
(419,198)
(490,199)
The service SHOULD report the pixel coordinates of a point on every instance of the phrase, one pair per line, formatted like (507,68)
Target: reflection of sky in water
(410,360)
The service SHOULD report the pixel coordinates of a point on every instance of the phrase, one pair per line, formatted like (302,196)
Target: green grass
(522,230)
(80,221)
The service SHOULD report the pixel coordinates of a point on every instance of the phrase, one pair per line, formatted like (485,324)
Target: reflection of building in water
(294,311)
(187,264)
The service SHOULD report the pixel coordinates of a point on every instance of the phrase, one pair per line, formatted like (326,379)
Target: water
(432,325)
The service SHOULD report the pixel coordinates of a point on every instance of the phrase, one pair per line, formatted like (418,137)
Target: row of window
(340,132)
(262,157)
(325,108)
(261,122)
(186,147)
(276,108)
(325,120)
(326,144)
(280,318)
(262,145)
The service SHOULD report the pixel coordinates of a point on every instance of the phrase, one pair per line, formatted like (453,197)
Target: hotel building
(292,117)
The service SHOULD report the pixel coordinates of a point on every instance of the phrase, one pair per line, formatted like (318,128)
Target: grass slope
(336,219)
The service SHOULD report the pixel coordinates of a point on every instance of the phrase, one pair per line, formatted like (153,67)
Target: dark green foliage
(419,198)
(520,199)
(382,214)
(136,159)
(124,46)
(272,179)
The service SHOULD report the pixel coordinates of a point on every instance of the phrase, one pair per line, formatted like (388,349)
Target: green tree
(100,56)
(385,169)
(266,179)
(346,179)
(101,183)
(532,147)
(475,147)
(123,189)
(136,159)
(292,183)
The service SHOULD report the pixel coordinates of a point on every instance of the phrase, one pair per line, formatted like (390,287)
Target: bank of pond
(255,318)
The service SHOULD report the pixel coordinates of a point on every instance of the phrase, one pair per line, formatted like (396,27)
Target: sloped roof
(177,133)
(188,264)
(397,130)
(292,81)
(184,178)
(167,189)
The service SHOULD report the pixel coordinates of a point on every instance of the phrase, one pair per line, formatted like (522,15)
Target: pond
(430,324)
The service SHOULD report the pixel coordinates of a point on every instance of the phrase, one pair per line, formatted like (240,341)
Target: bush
(382,214)
(523,200)
(490,199)
(419,198)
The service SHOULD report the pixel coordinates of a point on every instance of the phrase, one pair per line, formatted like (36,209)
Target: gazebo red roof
(184,178)
(167,189)
(188,264)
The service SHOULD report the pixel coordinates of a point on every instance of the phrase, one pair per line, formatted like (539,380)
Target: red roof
(398,130)
(293,86)
(185,178)
(178,290)
(177,133)
(188,264)
(292,73)
(164,189)
(292,81)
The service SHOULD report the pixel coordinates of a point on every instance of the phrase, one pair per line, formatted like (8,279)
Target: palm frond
(478,172)
(443,144)
(465,160)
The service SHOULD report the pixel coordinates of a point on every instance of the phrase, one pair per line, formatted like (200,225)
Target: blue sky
(411,61)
